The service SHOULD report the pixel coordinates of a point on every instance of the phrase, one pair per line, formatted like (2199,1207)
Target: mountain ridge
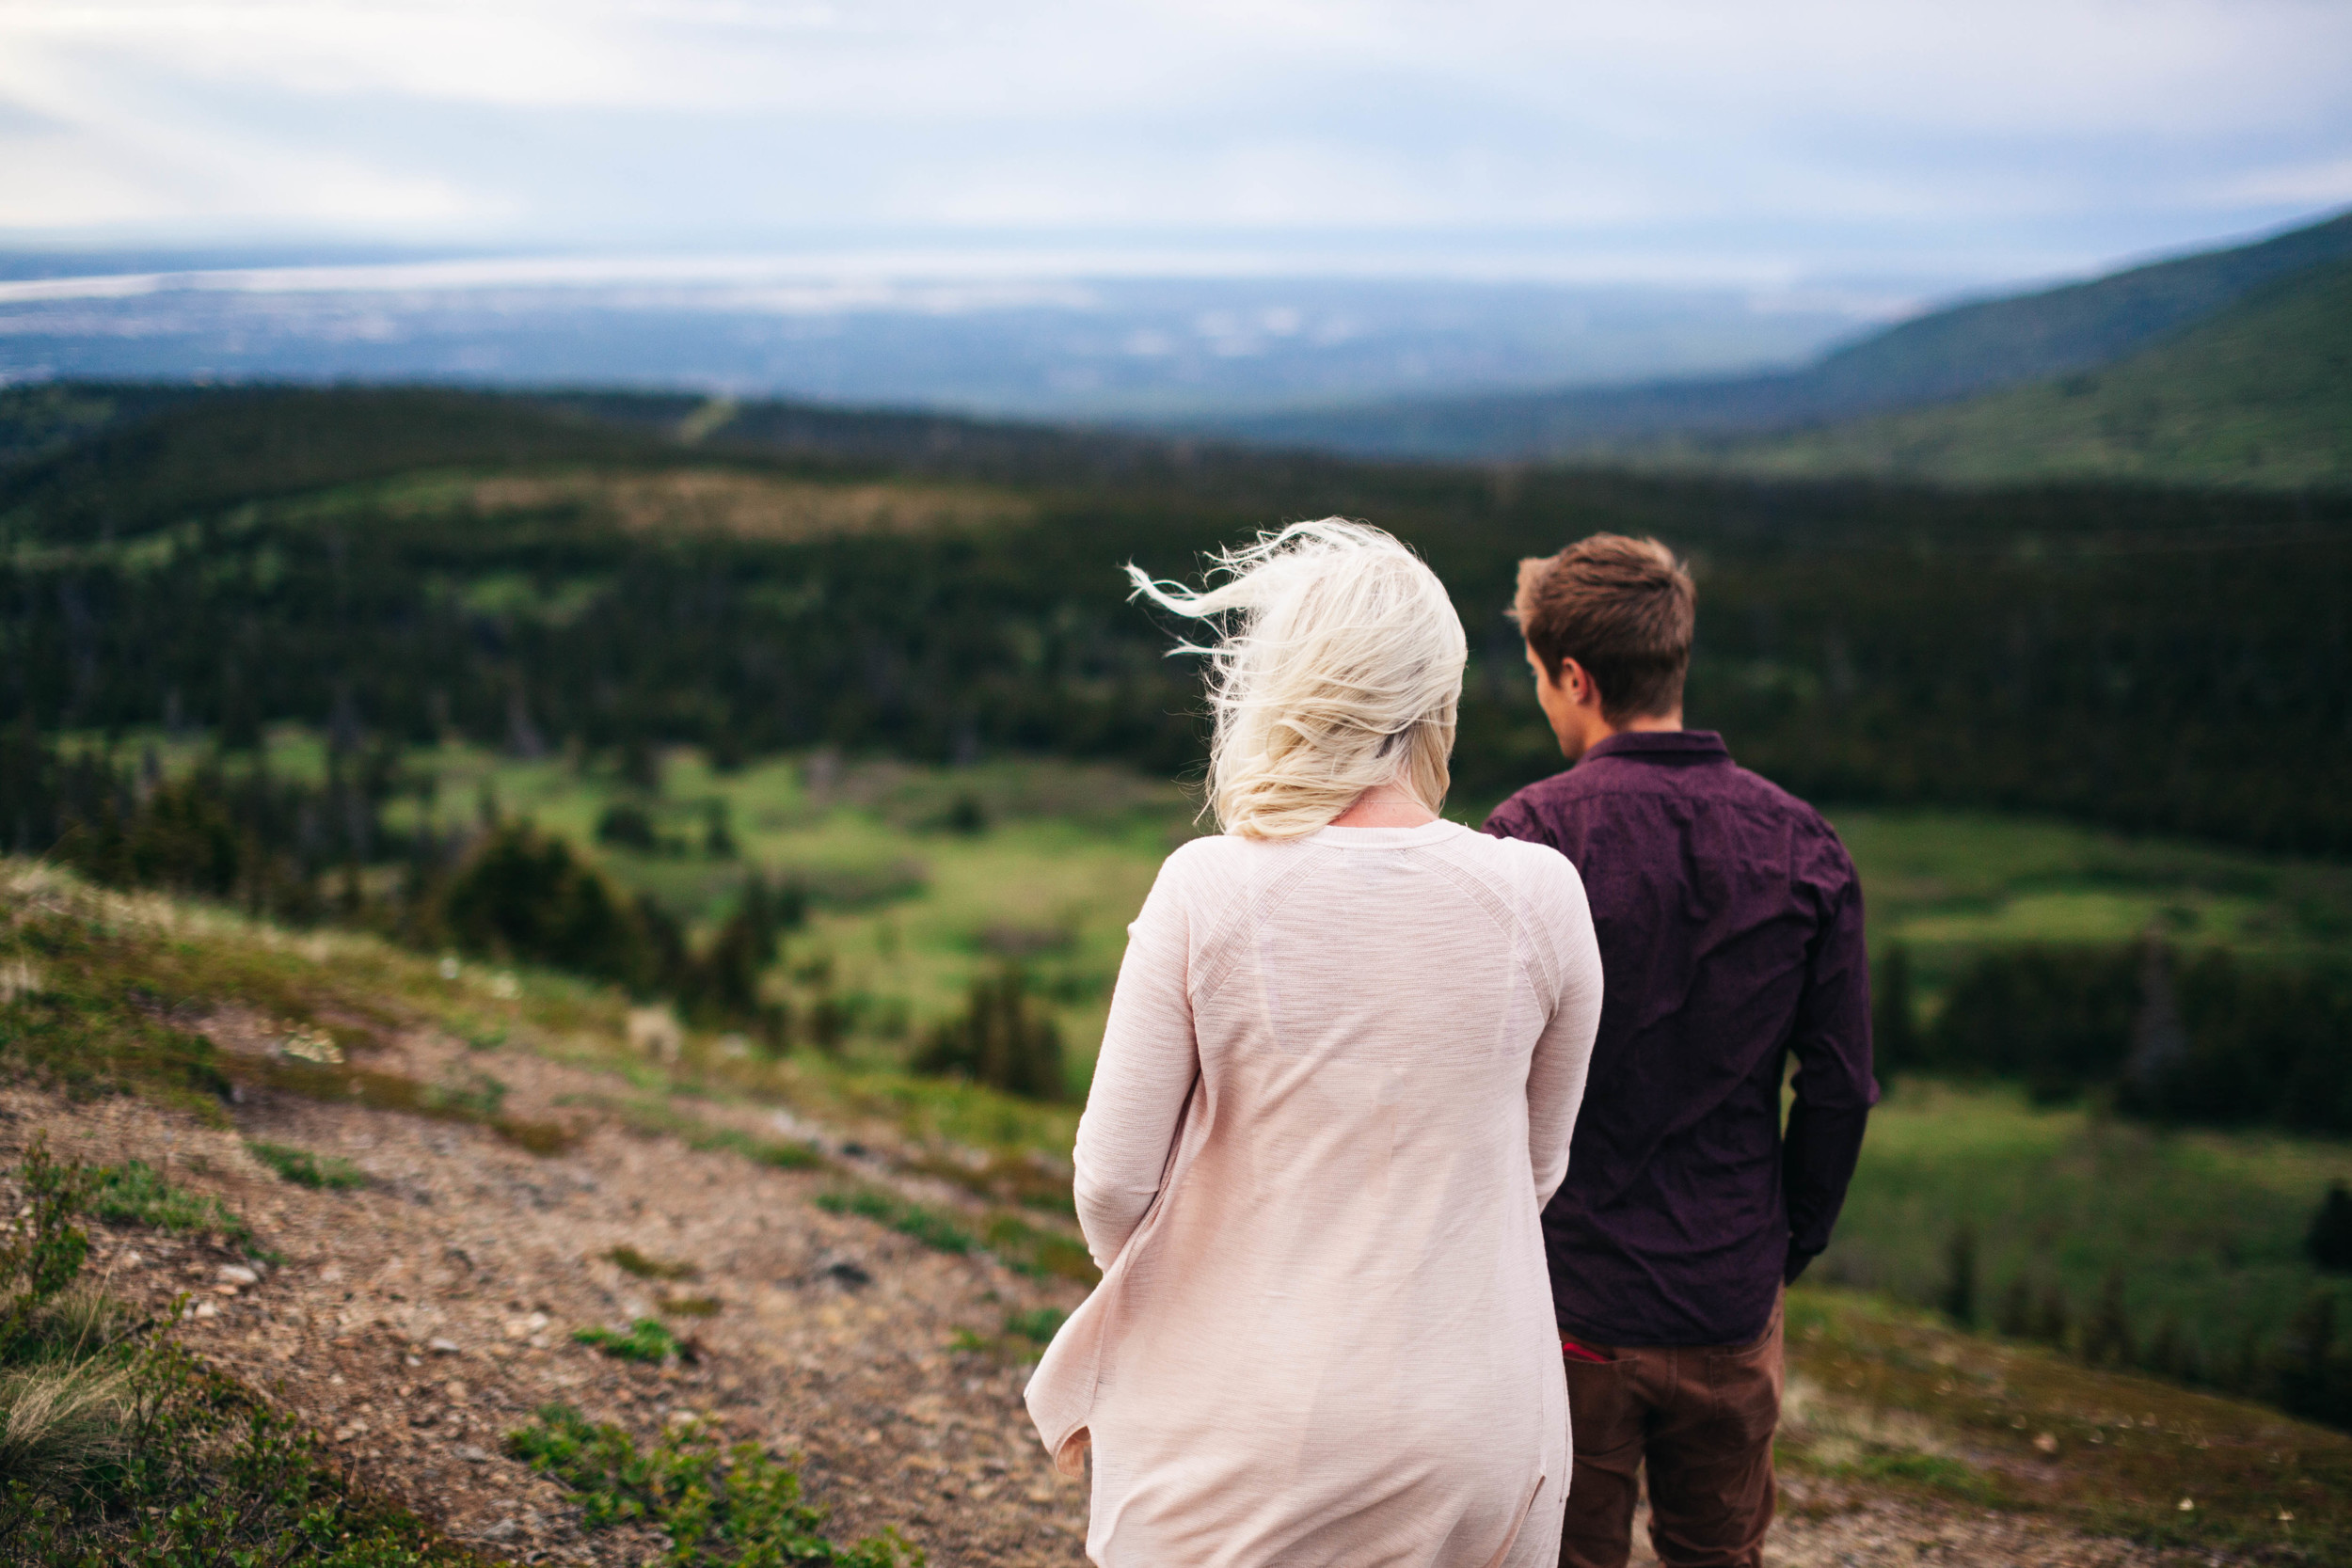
(2257,394)
(1968,348)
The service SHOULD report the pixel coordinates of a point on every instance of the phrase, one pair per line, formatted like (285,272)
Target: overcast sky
(1747,141)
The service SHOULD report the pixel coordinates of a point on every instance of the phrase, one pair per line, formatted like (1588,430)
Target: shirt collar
(1672,746)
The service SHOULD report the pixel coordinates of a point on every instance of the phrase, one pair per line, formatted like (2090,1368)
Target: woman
(1336,1088)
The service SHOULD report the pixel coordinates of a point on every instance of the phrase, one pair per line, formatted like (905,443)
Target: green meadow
(922,880)
(2204,1230)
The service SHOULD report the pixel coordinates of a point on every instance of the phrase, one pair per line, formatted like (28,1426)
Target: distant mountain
(1949,355)
(1046,347)
(2259,394)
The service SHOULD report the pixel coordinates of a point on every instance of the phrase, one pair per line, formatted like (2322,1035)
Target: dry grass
(56,1421)
(744,505)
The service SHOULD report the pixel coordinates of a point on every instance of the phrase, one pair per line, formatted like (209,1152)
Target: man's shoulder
(1754,791)
(1552,808)
(1534,811)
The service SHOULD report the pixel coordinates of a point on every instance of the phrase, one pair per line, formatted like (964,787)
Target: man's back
(1730,930)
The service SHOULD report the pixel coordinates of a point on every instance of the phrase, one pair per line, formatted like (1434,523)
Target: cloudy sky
(1661,140)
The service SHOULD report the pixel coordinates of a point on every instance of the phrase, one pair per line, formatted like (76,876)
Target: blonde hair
(1338,668)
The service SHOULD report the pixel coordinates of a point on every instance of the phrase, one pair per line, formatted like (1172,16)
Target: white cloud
(1798,124)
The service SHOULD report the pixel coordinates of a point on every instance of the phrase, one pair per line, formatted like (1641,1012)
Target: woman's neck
(1385,806)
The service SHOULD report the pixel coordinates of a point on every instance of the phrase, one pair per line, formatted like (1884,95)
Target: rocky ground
(418,1319)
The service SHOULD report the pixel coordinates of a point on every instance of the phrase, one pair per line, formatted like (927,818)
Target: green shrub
(1040,1324)
(927,1225)
(303,1168)
(1002,1039)
(647,1341)
(136,1194)
(44,1249)
(733,1506)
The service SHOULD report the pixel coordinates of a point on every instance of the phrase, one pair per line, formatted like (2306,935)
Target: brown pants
(1702,1417)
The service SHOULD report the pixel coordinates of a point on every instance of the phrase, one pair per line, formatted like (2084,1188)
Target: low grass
(118,1445)
(719,1504)
(647,1341)
(936,1230)
(1950,884)
(320,1172)
(135,1193)
(2204,1230)
(1893,1395)
(631,1260)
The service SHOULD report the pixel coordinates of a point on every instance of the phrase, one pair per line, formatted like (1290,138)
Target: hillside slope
(1951,354)
(852,1268)
(2260,395)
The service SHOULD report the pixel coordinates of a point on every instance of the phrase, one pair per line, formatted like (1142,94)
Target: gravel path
(418,1319)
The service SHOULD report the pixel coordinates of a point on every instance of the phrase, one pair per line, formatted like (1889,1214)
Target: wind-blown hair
(1338,668)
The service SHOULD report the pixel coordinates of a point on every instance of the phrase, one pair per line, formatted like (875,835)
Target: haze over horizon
(1142,211)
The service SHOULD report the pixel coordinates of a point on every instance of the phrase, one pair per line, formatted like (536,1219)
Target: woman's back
(1341,1072)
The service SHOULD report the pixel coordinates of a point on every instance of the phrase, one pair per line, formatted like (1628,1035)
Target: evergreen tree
(1000,1040)
(2054,1319)
(2328,1243)
(1959,1296)
(1894,1023)
(2015,1318)
(2107,1332)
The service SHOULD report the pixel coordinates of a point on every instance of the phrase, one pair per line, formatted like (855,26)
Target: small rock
(231,1273)
(504,1530)
(206,1309)
(843,1270)
(470,1455)
(2046,1444)
(443,1347)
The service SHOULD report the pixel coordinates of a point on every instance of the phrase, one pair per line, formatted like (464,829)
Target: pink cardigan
(1336,1089)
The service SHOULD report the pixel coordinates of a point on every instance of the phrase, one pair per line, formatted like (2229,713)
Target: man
(1730,927)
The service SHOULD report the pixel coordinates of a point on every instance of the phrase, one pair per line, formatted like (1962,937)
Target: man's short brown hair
(1621,607)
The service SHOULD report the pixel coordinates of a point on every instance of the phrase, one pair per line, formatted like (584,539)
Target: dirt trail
(418,1319)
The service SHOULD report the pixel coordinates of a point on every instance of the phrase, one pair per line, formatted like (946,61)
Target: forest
(620,686)
(2157,661)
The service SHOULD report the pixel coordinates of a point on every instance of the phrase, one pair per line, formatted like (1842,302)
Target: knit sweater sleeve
(1144,1074)
(1555,1077)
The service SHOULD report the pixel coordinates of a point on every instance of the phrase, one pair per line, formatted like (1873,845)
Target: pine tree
(2015,1318)
(1959,1298)
(2055,1318)
(2329,1239)
(1894,1024)
(2107,1332)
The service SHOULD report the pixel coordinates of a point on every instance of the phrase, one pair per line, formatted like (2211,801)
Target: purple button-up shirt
(1730,927)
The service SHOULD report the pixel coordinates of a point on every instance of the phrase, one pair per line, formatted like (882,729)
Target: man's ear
(1575,684)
